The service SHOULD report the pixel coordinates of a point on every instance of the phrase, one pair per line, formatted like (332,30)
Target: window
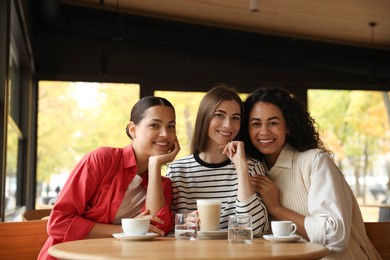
(13,185)
(185,115)
(73,119)
(355,127)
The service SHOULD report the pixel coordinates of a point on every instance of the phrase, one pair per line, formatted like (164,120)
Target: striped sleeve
(254,205)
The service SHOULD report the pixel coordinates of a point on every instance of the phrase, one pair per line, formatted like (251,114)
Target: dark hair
(138,111)
(302,128)
(207,107)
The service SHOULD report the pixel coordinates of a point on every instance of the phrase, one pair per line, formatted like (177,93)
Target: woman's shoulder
(183,162)
(313,153)
(104,153)
(312,156)
(105,150)
(185,159)
(181,166)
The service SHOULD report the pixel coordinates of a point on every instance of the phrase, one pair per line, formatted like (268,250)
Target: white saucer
(220,234)
(290,238)
(123,236)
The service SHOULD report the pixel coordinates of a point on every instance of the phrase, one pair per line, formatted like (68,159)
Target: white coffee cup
(135,226)
(283,228)
(209,211)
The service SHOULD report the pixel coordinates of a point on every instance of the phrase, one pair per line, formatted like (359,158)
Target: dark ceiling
(77,42)
(341,22)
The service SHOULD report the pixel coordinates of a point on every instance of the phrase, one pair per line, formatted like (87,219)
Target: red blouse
(93,193)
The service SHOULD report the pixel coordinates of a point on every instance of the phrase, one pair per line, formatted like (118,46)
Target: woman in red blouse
(109,184)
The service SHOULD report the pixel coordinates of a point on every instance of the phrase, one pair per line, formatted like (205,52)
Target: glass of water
(240,228)
(186,226)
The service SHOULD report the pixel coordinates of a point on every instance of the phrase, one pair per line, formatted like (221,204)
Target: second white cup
(135,226)
(283,228)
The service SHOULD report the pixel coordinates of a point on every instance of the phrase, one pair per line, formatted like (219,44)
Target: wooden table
(170,248)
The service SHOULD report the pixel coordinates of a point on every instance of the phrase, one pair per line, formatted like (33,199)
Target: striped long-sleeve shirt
(194,179)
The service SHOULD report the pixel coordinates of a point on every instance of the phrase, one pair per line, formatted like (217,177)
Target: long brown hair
(207,107)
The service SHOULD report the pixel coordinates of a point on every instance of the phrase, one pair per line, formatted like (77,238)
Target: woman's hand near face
(235,151)
(168,157)
(155,199)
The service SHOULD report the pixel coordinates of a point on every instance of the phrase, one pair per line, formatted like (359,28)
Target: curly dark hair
(303,134)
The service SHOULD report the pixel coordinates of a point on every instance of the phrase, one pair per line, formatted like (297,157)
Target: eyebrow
(268,119)
(223,111)
(160,121)
(273,117)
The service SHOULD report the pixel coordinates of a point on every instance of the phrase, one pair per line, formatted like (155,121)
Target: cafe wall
(91,45)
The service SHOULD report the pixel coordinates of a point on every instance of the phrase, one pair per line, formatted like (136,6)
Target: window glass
(186,106)
(12,169)
(13,189)
(73,119)
(355,127)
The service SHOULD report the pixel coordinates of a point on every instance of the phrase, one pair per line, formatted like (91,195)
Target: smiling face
(225,123)
(267,130)
(156,132)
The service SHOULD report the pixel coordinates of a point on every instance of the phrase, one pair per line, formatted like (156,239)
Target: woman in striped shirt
(217,167)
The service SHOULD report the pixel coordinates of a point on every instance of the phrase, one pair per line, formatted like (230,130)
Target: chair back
(22,240)
(36,214)
(379,234)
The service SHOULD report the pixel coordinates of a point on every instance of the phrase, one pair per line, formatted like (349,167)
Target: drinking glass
(240,228)
(186,226)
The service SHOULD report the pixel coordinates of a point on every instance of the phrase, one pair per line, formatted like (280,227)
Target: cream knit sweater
(311,184)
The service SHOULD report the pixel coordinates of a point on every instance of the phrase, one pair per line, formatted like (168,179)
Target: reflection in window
(12,164)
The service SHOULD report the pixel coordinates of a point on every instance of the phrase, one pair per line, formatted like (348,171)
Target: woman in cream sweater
(303,184)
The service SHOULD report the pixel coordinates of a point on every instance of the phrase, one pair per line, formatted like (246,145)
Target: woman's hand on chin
(167,157)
